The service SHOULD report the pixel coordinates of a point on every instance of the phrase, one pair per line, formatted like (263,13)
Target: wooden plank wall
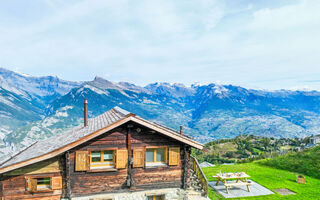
(162,177)
(46,166)
(86,183)
(13,184)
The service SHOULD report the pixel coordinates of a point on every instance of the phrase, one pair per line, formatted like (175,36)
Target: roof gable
(62,142)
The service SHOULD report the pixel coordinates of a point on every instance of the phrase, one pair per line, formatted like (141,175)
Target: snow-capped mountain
(45,88)
(175,90)
(24,98)
(207,112)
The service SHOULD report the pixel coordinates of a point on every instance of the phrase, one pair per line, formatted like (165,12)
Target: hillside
(246,148)
(306,162)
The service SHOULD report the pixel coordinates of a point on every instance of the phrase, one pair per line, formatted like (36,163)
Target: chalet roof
(62,142)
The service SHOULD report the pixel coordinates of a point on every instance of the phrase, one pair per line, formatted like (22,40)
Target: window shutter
(138,157)
(56,182)
(166,154)
(33,185)
(174,155)
(82,160)
(122,159)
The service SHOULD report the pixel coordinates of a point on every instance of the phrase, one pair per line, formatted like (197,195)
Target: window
(155,156)
(156,197)
(43,184)
(95,156)
(102,159)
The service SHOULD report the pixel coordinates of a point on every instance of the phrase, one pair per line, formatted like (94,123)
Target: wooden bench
(227,185)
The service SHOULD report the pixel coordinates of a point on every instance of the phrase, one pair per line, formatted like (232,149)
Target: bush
(230,154)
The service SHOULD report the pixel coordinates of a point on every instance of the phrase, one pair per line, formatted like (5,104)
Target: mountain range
(32,108)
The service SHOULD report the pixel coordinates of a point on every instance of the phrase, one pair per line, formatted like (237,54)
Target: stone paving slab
(284,191)
(240,191)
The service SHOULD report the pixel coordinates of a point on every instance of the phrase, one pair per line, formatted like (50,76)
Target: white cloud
(147,41)
(301,15)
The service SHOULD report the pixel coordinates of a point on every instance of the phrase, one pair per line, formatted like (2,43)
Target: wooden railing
(199,173)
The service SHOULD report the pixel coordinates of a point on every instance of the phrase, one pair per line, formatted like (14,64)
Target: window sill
(156,165)
(40,191)
(103,170)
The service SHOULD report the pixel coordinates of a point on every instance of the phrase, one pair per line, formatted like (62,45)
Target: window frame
(165,154)
(98,165)
(38,177)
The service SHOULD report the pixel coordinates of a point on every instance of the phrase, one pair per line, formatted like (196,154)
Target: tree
(266,143)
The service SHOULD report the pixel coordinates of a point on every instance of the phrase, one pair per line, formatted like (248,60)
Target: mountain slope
(16,111)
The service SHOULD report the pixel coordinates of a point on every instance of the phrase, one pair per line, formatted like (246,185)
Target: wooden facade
(14,183)
(130,174)
(141,177)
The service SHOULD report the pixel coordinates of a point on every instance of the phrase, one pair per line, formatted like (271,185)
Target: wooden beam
(185,167)
(130,175)
(68,181)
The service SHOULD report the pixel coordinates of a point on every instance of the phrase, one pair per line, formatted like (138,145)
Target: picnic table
(241,179)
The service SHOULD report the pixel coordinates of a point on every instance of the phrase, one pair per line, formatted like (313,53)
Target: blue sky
(259,44)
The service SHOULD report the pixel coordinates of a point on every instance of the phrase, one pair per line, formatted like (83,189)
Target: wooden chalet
(116,153)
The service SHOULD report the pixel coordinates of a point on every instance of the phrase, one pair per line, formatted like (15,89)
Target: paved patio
(241,191)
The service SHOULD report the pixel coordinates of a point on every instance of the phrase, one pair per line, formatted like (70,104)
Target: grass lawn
(270,178)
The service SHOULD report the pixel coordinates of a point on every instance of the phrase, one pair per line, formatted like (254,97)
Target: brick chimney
(181,133)
(85,118)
